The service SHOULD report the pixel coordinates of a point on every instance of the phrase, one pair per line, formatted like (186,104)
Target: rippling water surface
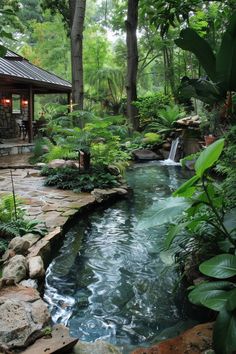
(111,281)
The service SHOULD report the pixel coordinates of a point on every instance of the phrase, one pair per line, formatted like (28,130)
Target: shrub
(149,106)
(68,178)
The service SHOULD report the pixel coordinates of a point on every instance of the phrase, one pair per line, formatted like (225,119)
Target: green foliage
(68,178)
(39,149)
(191,41)
(7,208)
(152,138)
(208,157)
(220,68)
(148,106)
(98,138)
(104,154)
(226,168)
(166,118)
(3,246)
(60,152)
(22,226)
(219,296)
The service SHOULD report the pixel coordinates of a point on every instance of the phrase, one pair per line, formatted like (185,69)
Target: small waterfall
(173,149)
(172,154)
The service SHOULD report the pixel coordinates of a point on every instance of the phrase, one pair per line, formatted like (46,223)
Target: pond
(111,281)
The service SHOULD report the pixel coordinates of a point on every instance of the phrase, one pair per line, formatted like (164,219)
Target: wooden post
(31,114)
(69,102)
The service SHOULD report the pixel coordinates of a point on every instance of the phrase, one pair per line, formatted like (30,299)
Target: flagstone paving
(47,204)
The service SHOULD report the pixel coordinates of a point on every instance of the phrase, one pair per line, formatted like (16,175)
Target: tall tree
(132,63)
(77,14)
(73,13)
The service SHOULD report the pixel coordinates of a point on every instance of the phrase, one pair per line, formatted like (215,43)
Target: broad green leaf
(174,230)
(230,220)
(225,245)
(162,212)
(213,295)
(208,157)
(226,58)
(231,303)
(220,267)
(186,189)
(191,41)
(224,334)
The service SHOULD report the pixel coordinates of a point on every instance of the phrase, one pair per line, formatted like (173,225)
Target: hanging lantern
(25,102)
(6,101)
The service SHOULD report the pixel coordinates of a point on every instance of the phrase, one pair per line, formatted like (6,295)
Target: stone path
(47,204)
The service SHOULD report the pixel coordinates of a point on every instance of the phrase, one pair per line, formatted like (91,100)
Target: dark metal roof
(15,67)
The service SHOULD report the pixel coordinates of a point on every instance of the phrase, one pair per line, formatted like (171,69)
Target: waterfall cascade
(172,154)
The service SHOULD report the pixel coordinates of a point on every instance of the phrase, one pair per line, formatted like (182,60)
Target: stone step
(58,341)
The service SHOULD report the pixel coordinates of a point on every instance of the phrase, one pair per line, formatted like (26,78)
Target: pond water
(116,283)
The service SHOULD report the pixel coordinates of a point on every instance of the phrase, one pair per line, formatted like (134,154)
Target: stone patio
(47,204)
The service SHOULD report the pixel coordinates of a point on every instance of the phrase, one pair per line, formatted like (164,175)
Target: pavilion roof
(15,68)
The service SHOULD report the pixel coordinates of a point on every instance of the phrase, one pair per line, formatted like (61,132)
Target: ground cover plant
(13,221)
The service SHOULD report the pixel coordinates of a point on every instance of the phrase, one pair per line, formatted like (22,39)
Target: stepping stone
(59,342)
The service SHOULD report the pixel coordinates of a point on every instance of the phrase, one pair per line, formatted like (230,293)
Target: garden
(152,120)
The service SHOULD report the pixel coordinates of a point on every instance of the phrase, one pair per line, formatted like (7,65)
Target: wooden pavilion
(20,81)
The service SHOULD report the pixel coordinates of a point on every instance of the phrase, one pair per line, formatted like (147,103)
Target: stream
(113,282)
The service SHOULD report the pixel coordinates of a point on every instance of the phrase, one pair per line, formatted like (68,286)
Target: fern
(7,208)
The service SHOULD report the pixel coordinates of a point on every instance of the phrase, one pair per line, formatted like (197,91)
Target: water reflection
(112,286)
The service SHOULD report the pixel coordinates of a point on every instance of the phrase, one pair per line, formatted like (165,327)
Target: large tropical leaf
(213,295)
(231,303)
(224,334)
(208,157)
(191,41)
(162,212)
(186,189)
(220,267)
(174,231)
(226,58)
(202,89)
(230,220)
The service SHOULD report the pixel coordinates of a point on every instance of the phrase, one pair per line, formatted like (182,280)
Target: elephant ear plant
(200,202)
(220,68)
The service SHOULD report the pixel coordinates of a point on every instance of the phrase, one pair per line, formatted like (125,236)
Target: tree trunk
(132,63)
(77,11)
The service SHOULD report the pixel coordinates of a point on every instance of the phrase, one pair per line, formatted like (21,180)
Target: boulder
(19,293)
(36,267)
(102,195)
(58,341)
(40,313)
(19,245)
(29,283)
(19,323)
(8,254)
(114,170)
(196,340)
(145,155)
(98,347)
(71,164)
(31,238)
(40,164)
(16,268)
(45,149)
(58,163)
